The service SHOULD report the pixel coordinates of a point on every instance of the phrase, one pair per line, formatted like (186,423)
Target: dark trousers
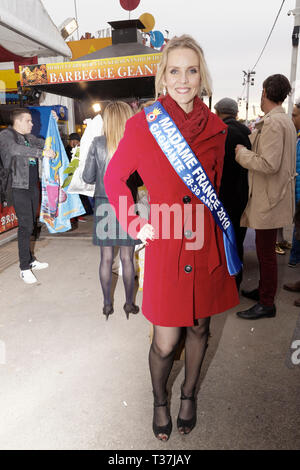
(265,248)
(26,203)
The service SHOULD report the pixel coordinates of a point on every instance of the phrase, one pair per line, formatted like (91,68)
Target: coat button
(188,234)
(186,199)
(188,268)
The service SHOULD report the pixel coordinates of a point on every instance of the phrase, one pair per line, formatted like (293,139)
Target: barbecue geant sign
(144,65)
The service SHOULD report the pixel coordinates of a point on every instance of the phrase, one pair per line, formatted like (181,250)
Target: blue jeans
(295,251)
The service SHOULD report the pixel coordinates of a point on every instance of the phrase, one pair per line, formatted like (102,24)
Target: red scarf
(190,125)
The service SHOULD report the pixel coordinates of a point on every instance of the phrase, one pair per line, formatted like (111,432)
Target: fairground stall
(125,70)
(26,34)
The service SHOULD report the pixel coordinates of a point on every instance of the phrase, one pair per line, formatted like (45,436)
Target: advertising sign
(144,65)
(8,218)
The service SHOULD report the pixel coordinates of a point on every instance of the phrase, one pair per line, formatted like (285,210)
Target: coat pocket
(276,192)
(260,193)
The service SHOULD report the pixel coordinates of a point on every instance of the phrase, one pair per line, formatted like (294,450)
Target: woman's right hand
(147,232)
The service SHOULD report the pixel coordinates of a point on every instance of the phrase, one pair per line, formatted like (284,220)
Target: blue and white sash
(190,170)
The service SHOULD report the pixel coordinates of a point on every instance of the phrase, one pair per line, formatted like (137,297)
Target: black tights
(161,357)
(128,273)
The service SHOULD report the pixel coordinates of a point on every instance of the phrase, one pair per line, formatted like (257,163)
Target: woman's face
(182,77)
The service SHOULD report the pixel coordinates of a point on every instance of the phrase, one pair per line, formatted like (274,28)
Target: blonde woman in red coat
(183,286)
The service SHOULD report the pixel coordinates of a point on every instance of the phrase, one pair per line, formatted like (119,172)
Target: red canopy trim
(8,56)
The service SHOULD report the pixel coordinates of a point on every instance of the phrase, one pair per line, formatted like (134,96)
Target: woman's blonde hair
(183,42)
(115,116)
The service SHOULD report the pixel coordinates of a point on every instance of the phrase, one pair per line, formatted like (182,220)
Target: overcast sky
(231,32)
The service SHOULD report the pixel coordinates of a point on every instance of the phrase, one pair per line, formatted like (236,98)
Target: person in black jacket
(234,183)
(21,151)
(73,141)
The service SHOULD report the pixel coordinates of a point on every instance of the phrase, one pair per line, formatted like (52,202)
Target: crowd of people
(187,157)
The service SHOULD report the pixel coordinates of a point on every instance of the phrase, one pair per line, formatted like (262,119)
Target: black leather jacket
(13,149)
(95,165)
(95,168)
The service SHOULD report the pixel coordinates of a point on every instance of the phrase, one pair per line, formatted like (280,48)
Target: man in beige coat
(272,170)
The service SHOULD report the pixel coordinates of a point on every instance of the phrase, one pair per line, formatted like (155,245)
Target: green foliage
(70,170)
(67,181)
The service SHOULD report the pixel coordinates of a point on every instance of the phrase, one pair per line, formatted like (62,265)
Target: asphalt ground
(72,380)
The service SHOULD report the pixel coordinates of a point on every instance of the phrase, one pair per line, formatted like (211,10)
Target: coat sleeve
(268,160)
(37,141)
(124,162)
(10,148)
(90,168)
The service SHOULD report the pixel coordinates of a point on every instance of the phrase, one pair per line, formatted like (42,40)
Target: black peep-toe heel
(185,426)
(164,430)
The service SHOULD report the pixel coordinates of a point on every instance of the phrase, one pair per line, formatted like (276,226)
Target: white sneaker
(37,265)
(28,277)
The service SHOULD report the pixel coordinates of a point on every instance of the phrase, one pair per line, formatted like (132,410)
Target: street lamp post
(295,43)
(76,16)
(248,80)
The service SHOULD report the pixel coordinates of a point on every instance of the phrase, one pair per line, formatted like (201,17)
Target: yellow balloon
(148,20)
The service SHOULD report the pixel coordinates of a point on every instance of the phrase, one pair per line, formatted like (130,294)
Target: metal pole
(295,43)
(248,80)
(20,95)
(71,115)
(76,16)
(247,98)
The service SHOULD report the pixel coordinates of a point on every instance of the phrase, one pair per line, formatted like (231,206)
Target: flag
(58,206)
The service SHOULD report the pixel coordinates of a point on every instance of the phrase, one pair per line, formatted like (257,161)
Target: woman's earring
(164,91)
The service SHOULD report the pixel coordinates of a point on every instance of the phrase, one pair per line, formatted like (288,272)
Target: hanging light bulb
(96,107)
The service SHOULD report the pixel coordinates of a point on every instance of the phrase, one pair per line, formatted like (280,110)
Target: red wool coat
(180,284)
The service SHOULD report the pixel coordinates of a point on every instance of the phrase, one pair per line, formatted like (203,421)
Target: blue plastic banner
(58,206)
(40,118)
(190,170)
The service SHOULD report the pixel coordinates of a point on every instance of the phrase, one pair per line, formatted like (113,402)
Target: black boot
(257,311)
(251,294)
